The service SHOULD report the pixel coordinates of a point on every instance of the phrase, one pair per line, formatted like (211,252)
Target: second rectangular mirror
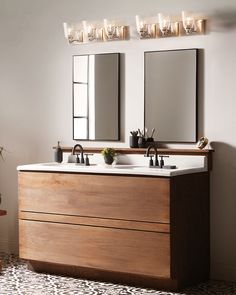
(171,94)
(96,100)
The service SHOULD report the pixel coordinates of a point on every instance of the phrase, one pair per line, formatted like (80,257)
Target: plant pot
(108,159)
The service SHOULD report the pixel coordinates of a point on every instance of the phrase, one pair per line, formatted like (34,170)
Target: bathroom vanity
(123,224)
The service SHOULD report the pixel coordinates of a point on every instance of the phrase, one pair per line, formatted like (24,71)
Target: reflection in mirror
(96,97)
(171,94)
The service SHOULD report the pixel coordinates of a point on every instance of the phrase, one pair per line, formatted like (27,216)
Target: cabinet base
(105,276)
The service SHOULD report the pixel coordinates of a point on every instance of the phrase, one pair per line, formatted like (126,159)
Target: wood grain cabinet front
(141,230)
(138,252)
(107,196)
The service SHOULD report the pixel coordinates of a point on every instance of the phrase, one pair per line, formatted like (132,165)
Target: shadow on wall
(224,167)
(223,20)
(223,204)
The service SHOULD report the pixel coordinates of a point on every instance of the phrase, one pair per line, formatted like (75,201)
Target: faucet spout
(81,150)
(153,146)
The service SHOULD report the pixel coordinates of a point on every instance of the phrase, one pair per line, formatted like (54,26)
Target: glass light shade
(73,32)
(164,23)
(144,29)
(188,22)
(112,30)
(92,32)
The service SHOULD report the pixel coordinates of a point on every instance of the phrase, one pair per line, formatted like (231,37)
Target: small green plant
(109,152)
(109,155)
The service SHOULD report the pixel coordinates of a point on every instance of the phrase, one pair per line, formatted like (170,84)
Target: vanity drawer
(107,196)
(118,250)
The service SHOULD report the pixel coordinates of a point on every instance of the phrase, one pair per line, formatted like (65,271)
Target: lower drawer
(129,251)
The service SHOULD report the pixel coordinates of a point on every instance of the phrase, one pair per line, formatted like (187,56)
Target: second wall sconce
(163,26)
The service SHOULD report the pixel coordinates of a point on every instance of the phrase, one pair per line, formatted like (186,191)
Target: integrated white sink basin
(110,169)
(53,164)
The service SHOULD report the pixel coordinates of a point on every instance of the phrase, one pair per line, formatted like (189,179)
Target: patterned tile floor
(17,279)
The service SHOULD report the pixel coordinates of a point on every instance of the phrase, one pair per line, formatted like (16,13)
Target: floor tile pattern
(16,279)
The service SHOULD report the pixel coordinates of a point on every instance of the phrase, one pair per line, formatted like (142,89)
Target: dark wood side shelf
(2,213)
(142,151)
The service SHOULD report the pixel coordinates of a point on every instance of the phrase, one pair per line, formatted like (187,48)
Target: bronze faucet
(81,152)
(156,163)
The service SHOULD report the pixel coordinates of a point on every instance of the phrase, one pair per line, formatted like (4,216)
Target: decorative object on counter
(58,154)
(141,139)
(203,141)
(133,139)
(109,155)
(150,139)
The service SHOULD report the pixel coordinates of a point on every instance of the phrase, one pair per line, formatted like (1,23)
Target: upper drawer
(107,196)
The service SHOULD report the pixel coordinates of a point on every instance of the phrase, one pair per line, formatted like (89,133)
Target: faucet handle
(162,163)
(151,164)
(87,159)
(151,161)
(77,161)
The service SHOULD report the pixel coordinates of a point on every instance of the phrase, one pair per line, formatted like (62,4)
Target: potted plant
(109,155)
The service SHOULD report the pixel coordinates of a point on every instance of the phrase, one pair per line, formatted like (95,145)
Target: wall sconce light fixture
(92,32)
(165,27)
(145,30)
(188,23)
(111,31)
(114,31)
(73,33)
(164,24)
(191,25)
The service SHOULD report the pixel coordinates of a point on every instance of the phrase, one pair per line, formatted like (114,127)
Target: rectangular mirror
(171,95)
(96,101)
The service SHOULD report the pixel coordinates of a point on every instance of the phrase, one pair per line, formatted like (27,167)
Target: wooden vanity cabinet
(150,231)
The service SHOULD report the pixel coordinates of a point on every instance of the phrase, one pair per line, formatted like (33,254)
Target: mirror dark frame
(116,136)
(194,136)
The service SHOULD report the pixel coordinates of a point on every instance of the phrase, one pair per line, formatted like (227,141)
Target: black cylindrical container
(141,142)
(149,141)
(133,141)
(58,155)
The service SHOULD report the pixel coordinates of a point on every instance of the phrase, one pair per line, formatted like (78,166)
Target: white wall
(36,96)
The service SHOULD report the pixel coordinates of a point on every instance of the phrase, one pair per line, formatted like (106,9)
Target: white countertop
(110,169)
